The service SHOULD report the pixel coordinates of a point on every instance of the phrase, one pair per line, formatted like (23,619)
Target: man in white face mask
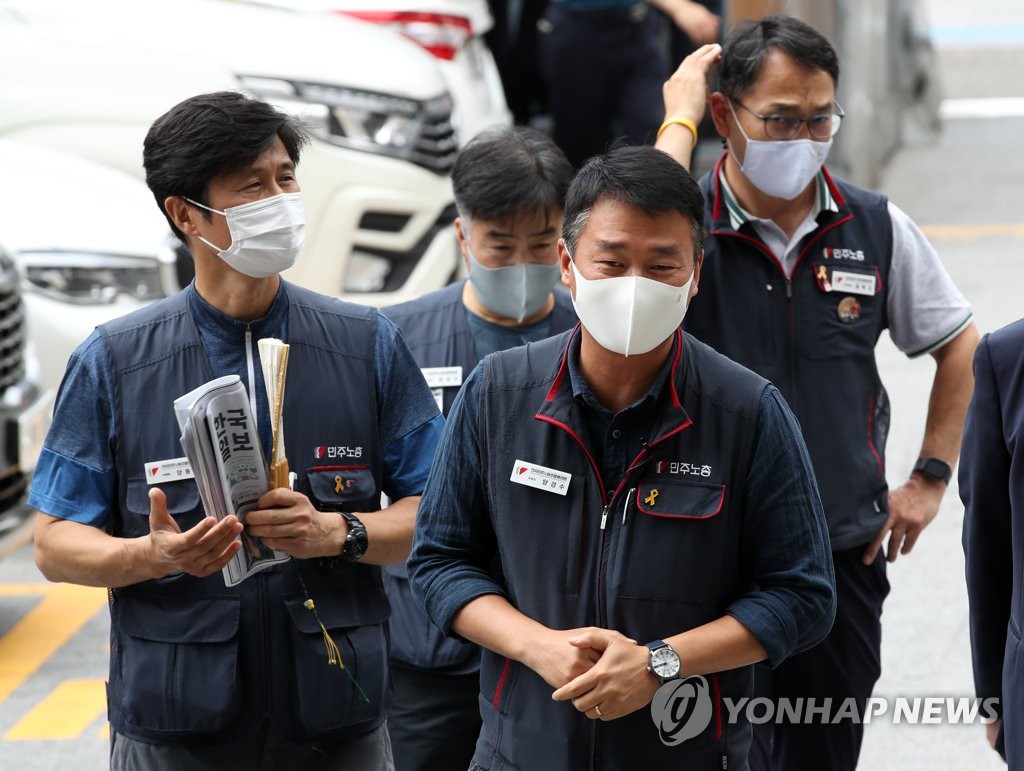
(620,507)
(239,678)
(802,274)
(509,186)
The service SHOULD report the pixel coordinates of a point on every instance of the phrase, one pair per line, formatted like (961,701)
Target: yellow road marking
(970,232)
(21,590)
(66,713)
(44,630)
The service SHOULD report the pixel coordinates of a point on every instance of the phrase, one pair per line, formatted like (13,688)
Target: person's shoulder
(719,379)
(431,302)
(301,298)
(1006,341)
(154,312)
(525,365)
(854,195)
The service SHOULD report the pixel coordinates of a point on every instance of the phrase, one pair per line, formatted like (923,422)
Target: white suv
(90,77)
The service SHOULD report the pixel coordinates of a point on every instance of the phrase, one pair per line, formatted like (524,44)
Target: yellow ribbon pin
(650,499)
(339,485)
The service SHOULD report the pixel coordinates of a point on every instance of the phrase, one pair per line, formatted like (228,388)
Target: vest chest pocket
(333,488)
(843,313)
(183,503)
(672,542)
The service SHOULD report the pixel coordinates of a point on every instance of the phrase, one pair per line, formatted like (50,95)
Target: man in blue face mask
(510,184)
(802,273)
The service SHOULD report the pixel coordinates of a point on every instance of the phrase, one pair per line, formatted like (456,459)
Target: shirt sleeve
(75,477)
(454,546)
(785,540)
(925,308)
(984,477)
(410,423)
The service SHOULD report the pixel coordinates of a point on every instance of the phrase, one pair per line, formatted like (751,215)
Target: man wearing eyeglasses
(802,273)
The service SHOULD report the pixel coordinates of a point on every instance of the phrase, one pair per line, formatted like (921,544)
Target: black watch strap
(934,468)
(356,542)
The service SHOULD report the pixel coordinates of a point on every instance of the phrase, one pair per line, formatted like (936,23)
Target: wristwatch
(663,661)
(934,468)
(356,542)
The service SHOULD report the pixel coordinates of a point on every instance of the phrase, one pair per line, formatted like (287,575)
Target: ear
(460,236)
(695,286)
(721,114)
(180,212)
(565,263)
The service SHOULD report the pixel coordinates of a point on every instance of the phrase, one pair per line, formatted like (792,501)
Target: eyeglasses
(788,126)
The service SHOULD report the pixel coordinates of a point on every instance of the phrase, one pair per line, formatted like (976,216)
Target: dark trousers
(604,72)
(266,750)
(845,664)
(434,720)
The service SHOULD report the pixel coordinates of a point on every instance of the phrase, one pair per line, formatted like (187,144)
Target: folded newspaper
(222,444)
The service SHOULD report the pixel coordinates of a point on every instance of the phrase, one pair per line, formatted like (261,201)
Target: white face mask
(781,168)
(630,315)
(266,235)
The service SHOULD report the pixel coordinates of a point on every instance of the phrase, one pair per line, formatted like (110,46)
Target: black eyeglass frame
(774,123)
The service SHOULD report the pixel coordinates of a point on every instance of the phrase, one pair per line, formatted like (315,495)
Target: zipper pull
(604,515)
(629,500)
(789,289)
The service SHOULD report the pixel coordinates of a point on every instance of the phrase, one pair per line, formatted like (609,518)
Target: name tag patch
(541,477)
(439,378)
(853,283)
(170,470)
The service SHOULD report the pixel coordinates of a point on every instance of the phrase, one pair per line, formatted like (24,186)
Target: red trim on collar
(563,368)
(674,368)
(716,181)
(833,188)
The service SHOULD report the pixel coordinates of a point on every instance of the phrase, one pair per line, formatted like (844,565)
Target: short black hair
(642,177)
(505,171)
(208,135)
(747,46)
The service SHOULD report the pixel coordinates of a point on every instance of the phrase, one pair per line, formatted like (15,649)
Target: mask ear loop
(215,211)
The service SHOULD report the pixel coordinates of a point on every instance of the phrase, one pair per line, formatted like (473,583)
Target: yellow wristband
(682,122)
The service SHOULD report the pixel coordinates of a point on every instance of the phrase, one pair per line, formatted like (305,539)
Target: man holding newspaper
(284,666)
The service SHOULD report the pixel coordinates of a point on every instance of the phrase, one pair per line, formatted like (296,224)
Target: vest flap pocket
(337,607)
(680,500)
(182,496)
(175,664)
(180,619)
(335,487)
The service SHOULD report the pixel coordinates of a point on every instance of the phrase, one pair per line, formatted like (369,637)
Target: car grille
(437,145)
(12,326)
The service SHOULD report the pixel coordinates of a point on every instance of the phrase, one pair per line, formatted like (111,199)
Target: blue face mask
(516,291)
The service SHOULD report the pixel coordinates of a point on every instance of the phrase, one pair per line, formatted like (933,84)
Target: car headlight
(418,131)
(96,279)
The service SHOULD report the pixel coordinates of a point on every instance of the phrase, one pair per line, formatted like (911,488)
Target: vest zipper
(251,370)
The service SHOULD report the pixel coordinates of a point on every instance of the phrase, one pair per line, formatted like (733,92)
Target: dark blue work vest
(194,661)
(813,340)
(661,553)
(435,329)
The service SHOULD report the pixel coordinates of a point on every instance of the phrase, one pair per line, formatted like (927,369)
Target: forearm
(950,395)
(389,532)
(492,622)
(717,646)
(677,140)
(74,553)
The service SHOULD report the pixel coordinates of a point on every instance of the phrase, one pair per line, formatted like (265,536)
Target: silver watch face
(665,662)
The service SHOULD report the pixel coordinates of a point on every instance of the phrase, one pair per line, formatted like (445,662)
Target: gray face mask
(516,291)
